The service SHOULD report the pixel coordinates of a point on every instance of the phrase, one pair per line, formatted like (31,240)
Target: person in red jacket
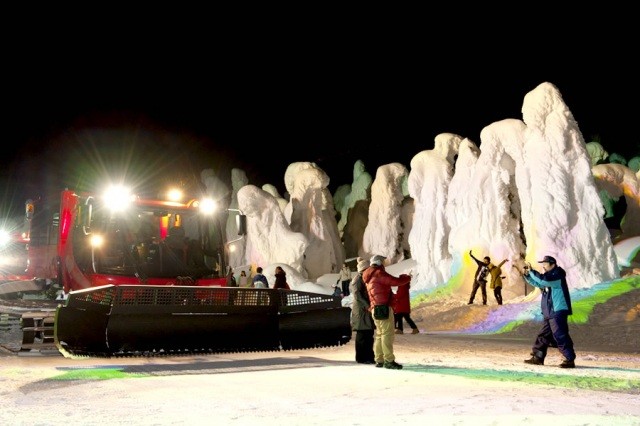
(402,310)
(379,283)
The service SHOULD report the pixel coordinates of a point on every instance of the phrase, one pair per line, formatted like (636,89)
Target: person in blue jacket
(556,308)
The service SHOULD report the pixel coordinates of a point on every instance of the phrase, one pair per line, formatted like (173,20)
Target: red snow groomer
(147,277)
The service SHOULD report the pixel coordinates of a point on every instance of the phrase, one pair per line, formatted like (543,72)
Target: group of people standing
(372,312)
(372,289)
(259,280)
(377,313)
(555,304)
(487,271)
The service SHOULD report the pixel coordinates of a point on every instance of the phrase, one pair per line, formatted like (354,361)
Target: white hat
(363,264)
(377,260)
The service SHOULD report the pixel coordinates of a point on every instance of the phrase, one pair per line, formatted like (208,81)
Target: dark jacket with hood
(361,306)
(555,292)
(281,281)
(379,283)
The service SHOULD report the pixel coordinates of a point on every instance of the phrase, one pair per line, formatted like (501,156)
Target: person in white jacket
(345,279)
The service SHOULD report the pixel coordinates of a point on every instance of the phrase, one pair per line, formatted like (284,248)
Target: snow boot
(567,364)
(392,365)
(536,359)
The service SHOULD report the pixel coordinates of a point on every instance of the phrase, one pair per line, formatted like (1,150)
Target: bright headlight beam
(97,240)
(4,238)
(207,206)
(174,194)
(118,198)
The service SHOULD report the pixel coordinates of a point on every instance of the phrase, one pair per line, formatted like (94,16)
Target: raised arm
(535,279)
(474,258)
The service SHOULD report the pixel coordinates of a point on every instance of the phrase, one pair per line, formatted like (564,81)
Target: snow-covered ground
(447,379)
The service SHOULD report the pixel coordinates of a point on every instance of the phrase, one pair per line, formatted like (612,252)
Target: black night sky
(66,126)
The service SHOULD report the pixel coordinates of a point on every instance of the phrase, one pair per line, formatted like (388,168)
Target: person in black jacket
(361,320)
(556,308)
(281,279)
(231,282)
(480,278)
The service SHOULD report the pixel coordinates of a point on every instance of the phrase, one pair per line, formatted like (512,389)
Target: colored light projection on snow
(510,316)
(608,384)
